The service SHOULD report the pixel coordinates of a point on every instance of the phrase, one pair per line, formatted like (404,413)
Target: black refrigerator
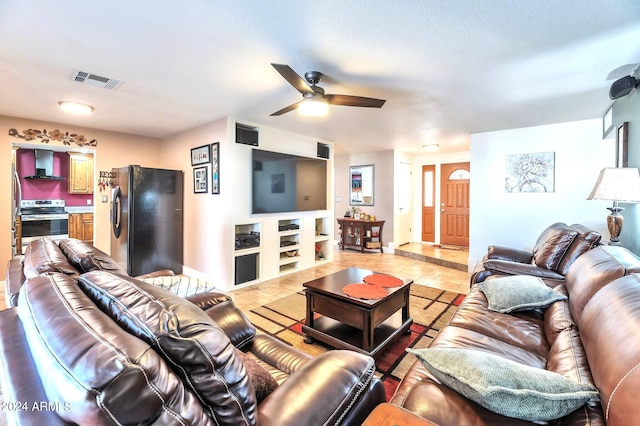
(147,219)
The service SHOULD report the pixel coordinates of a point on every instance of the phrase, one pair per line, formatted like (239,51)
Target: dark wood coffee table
(366,326)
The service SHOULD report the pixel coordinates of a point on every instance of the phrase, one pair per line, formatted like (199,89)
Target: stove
(43,219)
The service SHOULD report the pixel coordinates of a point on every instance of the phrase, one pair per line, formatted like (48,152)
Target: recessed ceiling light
(75,107)
(431,147)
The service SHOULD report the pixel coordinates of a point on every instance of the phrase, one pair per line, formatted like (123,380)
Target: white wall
(517,219)
(206,216)
(383,207)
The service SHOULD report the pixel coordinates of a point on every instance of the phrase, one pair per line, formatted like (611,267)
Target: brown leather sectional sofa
(557,247)
(70,256)
(592,337)
(86,344)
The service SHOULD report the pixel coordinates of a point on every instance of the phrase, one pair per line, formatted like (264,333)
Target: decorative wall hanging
(56,135)
(200,180)
(622,142)
(201,155)
(533,172)
(215,168)
(607,122)
(104,179)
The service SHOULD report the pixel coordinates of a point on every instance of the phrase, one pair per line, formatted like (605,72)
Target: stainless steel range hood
(44,166)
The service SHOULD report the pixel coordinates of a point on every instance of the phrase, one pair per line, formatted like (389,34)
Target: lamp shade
(620,184)
(313,107)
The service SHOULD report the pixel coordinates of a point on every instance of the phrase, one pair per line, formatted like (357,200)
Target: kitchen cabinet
(18,235)
(361,234)
(80,173)
(81,227)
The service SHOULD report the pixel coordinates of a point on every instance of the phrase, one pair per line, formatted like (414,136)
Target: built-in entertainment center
(287,224)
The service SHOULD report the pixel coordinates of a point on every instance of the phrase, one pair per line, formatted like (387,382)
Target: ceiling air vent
(96,80)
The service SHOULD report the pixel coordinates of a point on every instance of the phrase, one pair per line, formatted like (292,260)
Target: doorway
(404,204)
(74,192)
(454,204)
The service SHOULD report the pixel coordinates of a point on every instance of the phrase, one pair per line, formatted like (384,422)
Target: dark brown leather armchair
(554,251)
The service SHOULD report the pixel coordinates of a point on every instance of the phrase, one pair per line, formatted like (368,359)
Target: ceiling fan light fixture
(75,107)
(313,107)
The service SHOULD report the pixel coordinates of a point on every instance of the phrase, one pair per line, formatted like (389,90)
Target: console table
(362,234)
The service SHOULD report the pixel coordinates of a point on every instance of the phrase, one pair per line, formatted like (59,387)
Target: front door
(454,199)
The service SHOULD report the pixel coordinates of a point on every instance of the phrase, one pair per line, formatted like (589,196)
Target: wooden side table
(361,234)
(392,415)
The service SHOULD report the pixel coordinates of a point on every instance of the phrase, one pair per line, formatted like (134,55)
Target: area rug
(430,309)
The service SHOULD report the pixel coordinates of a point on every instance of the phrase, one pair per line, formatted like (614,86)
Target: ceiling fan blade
(294,79)
(286,109)
(622,71)
(356,101)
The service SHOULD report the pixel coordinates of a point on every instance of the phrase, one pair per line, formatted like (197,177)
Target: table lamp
(620,185)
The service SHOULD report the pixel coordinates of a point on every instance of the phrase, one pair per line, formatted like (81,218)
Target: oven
(43,219)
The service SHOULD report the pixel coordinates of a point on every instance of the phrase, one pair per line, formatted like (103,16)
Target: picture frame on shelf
(622,144)
(201,155)
(200,182)
(215,168)
(607,122)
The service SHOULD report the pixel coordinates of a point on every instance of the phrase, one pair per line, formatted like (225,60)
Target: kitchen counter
(79,209)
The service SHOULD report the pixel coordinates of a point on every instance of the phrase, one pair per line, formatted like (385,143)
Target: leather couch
(104,348)
(592,337)
(69,256)
(557,247)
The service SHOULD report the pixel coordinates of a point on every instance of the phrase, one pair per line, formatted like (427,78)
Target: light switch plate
(104,199)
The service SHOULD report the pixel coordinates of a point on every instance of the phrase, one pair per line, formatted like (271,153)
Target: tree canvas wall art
(533,172)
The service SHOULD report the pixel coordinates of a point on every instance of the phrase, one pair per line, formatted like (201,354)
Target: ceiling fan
(315,101)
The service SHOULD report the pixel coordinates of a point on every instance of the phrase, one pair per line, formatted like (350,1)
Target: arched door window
(460,174)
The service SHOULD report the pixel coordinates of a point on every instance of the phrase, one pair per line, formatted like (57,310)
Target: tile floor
(421,272)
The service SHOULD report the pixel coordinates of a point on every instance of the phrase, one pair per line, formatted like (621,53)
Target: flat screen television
(287,183)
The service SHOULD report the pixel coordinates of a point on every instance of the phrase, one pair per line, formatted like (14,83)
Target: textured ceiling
(447,68)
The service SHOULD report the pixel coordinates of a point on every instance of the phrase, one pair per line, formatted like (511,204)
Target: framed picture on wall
(607,122)
(622,143)
(201,155)
(215,168)
(200,180)
(532,172)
